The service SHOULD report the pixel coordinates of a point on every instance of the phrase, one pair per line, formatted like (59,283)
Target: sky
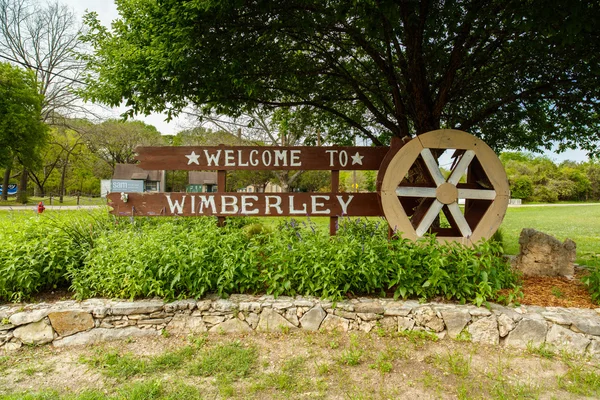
(107,11)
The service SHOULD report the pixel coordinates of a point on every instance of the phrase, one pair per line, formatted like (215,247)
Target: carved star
(193,158)
(357,159)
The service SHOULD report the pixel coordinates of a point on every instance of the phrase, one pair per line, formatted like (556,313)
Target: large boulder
(543,255)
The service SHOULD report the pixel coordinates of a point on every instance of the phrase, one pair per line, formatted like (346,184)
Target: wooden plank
(335,187)
(478,194)
(432,167)
(260,158)
(416,191)
(461,168)
(459,219)
(221,188)
(251,204)
(429,217)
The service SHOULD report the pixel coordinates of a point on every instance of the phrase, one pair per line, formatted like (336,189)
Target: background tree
(44,39)
(115,141)
(538,178)
(516,73)
(22,133)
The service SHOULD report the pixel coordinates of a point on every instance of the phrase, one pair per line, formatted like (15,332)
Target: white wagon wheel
(412,208)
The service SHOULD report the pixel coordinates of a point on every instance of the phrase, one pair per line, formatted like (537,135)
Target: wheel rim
(486,200)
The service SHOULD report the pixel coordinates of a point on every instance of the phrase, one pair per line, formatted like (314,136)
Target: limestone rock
(66,323)
(231,326)
(369,316)
(282,305)
(180,305)
(303,303)
(250,306)
(528,330)
(334,323)
(291,314)
(405,324)
(587,325)
(12,346)
(427,317)
(566,339)
(98,335)
(213,319)
(558,318)
(27,317)
(223,305)
(311,320)
(369,307)
(35,333)
(397,308)
(5,327)
(388,324)
(203,305)
(485,330)
(455,319)
(182,324)
(594,349)
(138,307)
(252,320)
(5,337)
(366,326)
(543,255)
(272,321)
(505,324)
(479,312)
(345,314)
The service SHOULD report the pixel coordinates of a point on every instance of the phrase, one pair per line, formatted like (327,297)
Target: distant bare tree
(45,39)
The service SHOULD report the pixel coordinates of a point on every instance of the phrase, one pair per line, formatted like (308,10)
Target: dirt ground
(296,365)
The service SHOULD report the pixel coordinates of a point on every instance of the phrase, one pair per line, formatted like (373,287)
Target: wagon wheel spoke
(461,168)
(460,219)
(411,191)
(477,194)
(432,213)
(433,167)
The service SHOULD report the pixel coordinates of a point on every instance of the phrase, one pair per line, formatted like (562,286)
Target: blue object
(12,189)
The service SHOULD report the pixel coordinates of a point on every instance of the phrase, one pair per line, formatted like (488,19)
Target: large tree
(115,141)
(45,39)
(518,73)
(22,133)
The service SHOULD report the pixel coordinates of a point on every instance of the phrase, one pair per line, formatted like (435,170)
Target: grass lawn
(578,223)
(67,201)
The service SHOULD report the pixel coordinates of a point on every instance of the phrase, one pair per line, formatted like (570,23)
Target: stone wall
(68,323)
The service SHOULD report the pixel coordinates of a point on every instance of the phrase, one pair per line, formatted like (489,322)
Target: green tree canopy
(22,133)
(518,73)
(115,141)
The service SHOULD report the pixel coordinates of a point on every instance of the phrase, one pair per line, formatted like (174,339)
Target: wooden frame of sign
(409,207)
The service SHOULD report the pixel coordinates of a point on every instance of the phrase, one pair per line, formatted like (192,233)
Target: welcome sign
(410,203)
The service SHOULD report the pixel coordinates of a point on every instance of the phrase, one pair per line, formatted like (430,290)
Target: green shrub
(35,255)
(592,281)
(98,255)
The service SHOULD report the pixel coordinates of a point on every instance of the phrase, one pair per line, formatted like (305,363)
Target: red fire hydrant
(40,207)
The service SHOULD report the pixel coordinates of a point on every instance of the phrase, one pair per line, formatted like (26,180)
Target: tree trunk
(22,194)
(5,183)
(62,181)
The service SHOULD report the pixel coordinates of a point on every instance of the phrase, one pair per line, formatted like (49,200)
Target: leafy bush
(189,257)
(592,281)
(35,255)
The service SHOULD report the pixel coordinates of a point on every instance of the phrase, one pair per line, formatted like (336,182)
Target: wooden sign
(261,158)
(248,204)
(411,206)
